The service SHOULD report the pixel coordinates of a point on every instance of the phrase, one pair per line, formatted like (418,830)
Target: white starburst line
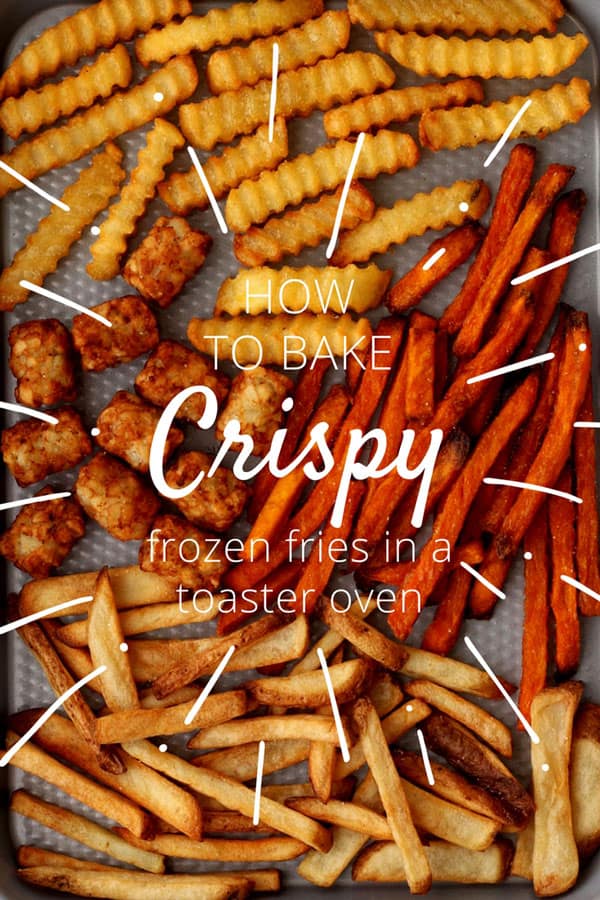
(25,410)
(586,425)
(50,295)
(258,787)
(198,704)
(13,504)
(485,665)
(433,259)
(513,367)
(549,267)
(273,101)
(345,191)
(209,191)
(51,611)
(425,755)
(334,706)
(580,587)
(33,187)
(50,712)
(506,136)
(488,584)
(540,488)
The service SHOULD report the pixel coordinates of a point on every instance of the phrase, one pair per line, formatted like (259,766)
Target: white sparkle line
(425,755)
(556,264)
(14,503)
(506,136)
(532,734)
(25,410)
(34,187)
(346,190)
(586,425)
(580,587)
(208,189)
(48,713)
(52,610)
(334,707)
(534,487)
(208,687)
(514,367)
(488,584)
(36,289)
(273,102)
(258,788)
(433,259)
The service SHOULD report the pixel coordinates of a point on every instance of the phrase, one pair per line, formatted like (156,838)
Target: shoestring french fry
(382,862)
(53,238)
(516,178)
(310,174)
(299,93)
(550,111)
(100,25)
(121,113)
(412,218)
(184,192)
(43,107)
(158,151)
(438,56)
(240,22)
(105,639)
(228,70)
(378,110)
(426,16)
(563,596)
(304,227)
(555,857)
(272,337)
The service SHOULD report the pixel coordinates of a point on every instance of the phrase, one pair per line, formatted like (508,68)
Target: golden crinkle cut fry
(36,108)
(412,218)
(321,38)
(299,93)
(310,174)
(98,25)
(307,289)
(240,22)
(435,55)
(382,862)
(183,191)
(58,146)
(278,340)
(487,16)
(551,110)
(378,110)
(303,227)
(155,155)
(56,234)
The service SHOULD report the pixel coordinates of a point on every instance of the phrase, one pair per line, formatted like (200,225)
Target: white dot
(159,97)
(409,708)
(287,404)
(163,748)
(95,432)
(464,207)
(95,230)
(545,767)
(528,555)
(123,647)
(583,347)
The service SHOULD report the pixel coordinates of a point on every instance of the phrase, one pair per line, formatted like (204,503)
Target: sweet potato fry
(587,526)
(514,185)
(585,769)
(420,360)
(563,597)
(285,576)
(534,654)
(508,258)
(442,632)
(423,277)
(364,638)
(470,552)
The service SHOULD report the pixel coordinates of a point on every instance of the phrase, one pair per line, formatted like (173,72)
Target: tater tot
(43,362)
(255,400)
(217,502)
(134,331)
(179,550)
(33,450)
(127,427)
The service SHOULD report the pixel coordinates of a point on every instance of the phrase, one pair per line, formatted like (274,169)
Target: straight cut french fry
(81,134)
(585,766)
(310,174)
(37,108)
(183,191)
(99,25)
(435,55)
(239,22)
(378,110)
(382,862)
(412,218)
(271,849)
(240,762)
(308,689)
(550,111)
(273,728)
(299,93)
(105,639)
(161,143)
(59,230)
(28,856)
(228,70)
(363,637)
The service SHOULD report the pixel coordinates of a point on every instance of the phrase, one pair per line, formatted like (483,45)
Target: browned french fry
(363,637)
(272,728)
(383,863)
(308,689)
(270,849)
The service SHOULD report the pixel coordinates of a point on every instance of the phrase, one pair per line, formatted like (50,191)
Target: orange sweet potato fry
(285,576)
(563,596)
(442,633)
(587,526)
(420,378)
(534,652)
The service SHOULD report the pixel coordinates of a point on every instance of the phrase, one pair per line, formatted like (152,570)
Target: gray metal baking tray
(21,681)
